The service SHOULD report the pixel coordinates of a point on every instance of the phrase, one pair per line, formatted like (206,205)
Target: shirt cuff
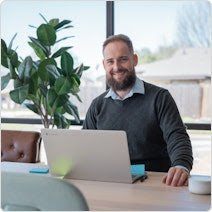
(182,167)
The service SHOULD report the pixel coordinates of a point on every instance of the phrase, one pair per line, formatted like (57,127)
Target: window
(169,56)
(152,26)
(89,21)
(167,59)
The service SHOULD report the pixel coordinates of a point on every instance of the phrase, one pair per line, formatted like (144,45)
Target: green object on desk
(61,167)
(138,169)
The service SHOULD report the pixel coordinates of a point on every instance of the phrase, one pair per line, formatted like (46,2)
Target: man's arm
(177,139)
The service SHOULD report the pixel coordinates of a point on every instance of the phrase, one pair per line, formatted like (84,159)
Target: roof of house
(191,63)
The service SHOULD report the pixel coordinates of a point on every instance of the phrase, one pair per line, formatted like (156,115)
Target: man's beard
(128,81)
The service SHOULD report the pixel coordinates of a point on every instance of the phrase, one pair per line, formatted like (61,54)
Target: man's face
(119,65)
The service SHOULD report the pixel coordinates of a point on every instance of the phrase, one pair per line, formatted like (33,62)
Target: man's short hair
(119,37)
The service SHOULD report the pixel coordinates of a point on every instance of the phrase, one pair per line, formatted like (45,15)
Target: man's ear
(135,59)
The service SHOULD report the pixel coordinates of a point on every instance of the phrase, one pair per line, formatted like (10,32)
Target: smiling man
(156,134)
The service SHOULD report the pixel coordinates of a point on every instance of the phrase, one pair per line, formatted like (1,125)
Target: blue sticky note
(138,169)
(39,170)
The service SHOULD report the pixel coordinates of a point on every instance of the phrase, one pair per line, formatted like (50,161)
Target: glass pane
(172,40)
(201,145)
(89,21)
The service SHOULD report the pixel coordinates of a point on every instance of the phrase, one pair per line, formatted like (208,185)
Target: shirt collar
(138,87)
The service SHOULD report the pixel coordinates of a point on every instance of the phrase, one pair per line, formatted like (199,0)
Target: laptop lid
(100,155)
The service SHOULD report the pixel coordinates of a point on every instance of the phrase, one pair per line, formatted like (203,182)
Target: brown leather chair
(20,146)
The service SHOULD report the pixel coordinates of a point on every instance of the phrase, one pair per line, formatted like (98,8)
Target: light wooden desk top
(151,194)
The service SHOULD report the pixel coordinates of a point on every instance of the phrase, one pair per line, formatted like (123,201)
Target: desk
(151,194)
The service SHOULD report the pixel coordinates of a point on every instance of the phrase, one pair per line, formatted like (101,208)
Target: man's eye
(109,62)
(124,59)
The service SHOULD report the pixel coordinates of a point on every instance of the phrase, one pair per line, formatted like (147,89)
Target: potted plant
(44,85)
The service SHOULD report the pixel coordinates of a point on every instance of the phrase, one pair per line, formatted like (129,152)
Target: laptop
(97,155)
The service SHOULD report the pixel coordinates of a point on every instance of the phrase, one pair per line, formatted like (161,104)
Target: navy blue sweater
(156,134)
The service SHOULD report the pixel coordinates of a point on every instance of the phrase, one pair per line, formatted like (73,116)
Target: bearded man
(148,114)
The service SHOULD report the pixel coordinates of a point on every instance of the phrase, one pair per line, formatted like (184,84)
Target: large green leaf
(5,80)
(57,121)
(36,64)
(4,54)
(53,74)
(52,97)
(33,98)
(62,85)
(60,51)
(80,69)
(33,83)
(17,83)
(43,89)
(3,46)
(13,73)
(20,94)
(65,122)
(40,45)
(85,68)
(62,23)
(72,109)
(24,69)
(11,42)
(55,100)
(13,57)
(61,101)
(54,22)
(42,71)
(46,34)
(67,63)
(60,110)
(76,77)
(77,96)
(61,122)
(74,85)
(32,107)
(52,69)
(38,51)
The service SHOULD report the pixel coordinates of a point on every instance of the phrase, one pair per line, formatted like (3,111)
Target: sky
(148,24)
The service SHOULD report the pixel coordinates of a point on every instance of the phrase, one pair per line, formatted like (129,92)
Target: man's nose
(116,65)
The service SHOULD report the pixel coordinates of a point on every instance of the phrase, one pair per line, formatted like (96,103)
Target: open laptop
(100,155)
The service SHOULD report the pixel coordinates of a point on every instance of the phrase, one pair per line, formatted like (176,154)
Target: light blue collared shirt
(138,87)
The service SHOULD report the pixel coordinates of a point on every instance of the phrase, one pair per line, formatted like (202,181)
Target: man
(156,134)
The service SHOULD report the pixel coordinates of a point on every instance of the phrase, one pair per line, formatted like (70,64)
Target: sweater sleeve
(174,131)
(90,119)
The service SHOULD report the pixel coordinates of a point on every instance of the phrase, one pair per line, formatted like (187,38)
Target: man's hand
(176,176)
